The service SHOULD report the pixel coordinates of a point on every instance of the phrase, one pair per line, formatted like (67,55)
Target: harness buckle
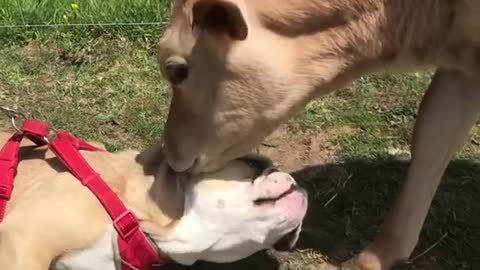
(5,192)
(6,170)
(126,225)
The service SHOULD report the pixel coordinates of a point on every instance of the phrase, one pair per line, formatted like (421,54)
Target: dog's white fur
(53,221)
(253,64)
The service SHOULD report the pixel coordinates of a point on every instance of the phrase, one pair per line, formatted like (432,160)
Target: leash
(136,252)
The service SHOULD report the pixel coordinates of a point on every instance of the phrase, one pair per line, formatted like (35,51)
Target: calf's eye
(176,70)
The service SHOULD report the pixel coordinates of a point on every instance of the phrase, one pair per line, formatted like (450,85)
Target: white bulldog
(53,222)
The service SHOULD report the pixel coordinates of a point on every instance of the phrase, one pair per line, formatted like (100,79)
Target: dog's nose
(274,184)
(278,178)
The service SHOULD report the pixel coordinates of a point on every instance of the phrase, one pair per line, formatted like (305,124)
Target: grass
(68,12)
(74,11)
(107,90)
(104,85)
(379,111)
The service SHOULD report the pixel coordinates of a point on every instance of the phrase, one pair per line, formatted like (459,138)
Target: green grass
(104,85)
(107,90)
(75,11)
(379,111)
(65,12)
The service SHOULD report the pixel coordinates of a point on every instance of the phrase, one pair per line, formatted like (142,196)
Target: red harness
(135,249)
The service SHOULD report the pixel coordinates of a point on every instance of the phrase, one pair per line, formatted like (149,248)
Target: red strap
(76,142)
(133,246)
(36,131)
(135,250)
(138,253)
(8,165)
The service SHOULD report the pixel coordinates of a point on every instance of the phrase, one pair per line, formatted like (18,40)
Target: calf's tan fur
(254,64)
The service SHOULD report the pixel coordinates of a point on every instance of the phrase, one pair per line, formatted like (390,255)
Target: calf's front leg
(448,111)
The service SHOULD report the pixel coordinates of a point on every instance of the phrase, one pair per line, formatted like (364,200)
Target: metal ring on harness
(13,115)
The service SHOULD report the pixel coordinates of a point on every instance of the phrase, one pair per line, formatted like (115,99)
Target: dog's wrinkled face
(231,80)
(239,210)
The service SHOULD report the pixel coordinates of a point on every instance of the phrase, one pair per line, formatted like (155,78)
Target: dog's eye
(176,70)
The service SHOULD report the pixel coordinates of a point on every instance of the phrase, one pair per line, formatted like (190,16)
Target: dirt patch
(31,58)
(6,99)
(306,260)
(292,149)
(31,52)
(75,57)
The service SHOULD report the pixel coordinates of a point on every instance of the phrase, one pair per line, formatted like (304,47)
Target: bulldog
(53,222)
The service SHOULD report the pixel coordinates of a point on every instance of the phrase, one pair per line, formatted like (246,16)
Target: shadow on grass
(349,200)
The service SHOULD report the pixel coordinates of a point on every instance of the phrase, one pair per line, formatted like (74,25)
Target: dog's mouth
(287,242)
(264,201)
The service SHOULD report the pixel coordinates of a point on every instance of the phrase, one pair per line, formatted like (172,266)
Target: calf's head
(231,80)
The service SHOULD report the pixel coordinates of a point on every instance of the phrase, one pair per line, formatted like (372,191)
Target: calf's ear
(220,17)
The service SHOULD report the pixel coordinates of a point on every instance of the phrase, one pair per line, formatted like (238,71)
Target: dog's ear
(220,17)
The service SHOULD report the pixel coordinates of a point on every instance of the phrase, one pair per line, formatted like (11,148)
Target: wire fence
(22,19)
(83,24)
